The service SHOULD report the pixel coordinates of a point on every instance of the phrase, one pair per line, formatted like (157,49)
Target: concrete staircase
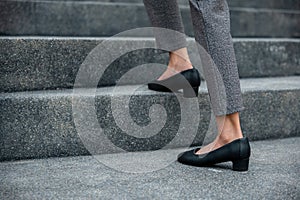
(42,49)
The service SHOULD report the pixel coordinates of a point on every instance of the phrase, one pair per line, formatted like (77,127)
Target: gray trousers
(211,22)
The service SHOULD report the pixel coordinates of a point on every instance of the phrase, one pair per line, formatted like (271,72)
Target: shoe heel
(240,165)
(190,92)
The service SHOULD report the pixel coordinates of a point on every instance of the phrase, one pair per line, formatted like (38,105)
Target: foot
(179,61)
(171,71)
(168,73)
(217,143)
(229,130)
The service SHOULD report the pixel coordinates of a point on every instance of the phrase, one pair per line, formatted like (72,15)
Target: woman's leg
(212,31)
(211,21)
(166,15)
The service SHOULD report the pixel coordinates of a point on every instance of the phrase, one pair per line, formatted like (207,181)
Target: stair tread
(135,38)
(87,178)
(247,85)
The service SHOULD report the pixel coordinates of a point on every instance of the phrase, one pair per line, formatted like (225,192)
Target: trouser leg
(211,21)
(165,14)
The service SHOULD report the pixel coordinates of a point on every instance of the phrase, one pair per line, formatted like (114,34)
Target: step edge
(289,83)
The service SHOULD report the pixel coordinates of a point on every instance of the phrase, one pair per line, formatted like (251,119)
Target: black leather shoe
(237,151)
(188,80)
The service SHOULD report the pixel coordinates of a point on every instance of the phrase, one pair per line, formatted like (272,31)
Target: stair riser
(45,63)
(273,4)
(39,125)
(277,4)
(71,18)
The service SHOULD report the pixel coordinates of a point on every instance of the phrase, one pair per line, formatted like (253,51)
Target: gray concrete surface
(42,123)
(273,174)
(274,4)
(37,63)
(90,18)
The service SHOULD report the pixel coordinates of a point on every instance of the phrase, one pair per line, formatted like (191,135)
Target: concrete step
(41,124)
(37,63)
(273,174)
(94,18)
(271,4)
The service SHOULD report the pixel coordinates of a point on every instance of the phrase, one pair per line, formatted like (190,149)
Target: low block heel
(190,92)
(240,165)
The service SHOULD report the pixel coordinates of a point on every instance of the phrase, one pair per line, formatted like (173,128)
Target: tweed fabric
(166,14)
(211,22)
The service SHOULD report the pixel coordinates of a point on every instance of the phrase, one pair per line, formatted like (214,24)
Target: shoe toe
(186,157)
(158,87)
(182,157)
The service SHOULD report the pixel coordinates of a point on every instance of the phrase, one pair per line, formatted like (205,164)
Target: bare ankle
(227,137)
(179,60)
(229,128)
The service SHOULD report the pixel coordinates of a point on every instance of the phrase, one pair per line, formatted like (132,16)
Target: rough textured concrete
(90,18)
(275,4)
(273,174)
(40,124)
(37,63)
